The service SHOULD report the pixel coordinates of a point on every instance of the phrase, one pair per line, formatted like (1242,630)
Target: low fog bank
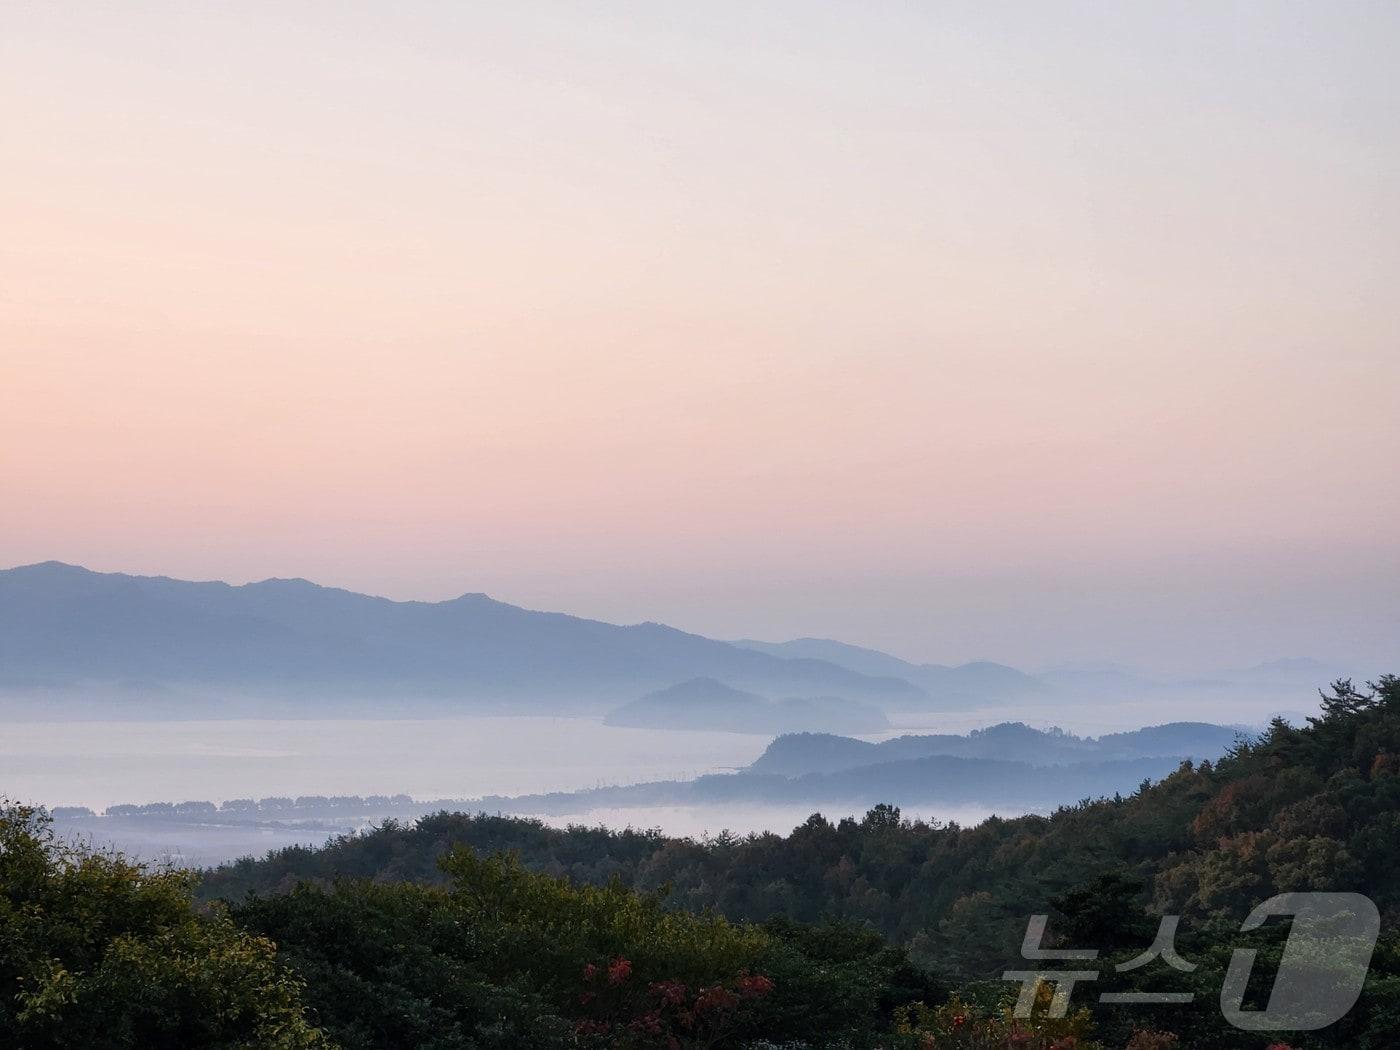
(562,771)
(98,764)
(203,843)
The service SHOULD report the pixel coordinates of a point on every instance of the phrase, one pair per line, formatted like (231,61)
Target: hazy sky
(1037,332)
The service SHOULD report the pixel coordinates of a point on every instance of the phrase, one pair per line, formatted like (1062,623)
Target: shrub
(98,953)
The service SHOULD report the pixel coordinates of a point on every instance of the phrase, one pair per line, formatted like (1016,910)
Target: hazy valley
(286,690)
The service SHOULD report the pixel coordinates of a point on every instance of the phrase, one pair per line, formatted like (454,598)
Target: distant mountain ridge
(802,754)
(982,684)
(930,780)
(1010,764)
(64,625)
(967,684)
(78,643)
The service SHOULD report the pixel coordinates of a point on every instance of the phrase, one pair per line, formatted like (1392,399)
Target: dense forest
(475,931)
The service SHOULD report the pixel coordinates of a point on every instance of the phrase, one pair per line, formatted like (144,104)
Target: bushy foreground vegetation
(96,952)
(505,957)
(878,932)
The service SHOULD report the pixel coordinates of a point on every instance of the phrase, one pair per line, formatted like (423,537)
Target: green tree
(99,953)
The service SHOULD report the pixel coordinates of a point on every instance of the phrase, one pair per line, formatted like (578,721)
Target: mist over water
(701,821)
(98,764)
(101,764)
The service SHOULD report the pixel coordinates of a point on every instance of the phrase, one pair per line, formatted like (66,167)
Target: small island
(709,704)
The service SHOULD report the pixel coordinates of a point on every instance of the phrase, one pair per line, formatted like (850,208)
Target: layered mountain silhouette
(800,754)
(179,648)
(65,625)
(968,684)
(1009,765)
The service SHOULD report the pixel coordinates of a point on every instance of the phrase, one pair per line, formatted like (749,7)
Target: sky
(1023,331)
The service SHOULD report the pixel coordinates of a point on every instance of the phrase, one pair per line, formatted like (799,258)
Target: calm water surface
(100,763)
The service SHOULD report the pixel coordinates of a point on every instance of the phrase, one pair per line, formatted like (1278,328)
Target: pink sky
(965,334)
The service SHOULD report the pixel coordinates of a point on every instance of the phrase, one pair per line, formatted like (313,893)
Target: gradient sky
(1036,332)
